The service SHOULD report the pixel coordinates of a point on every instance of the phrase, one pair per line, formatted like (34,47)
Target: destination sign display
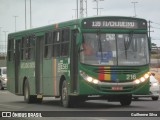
(114,23)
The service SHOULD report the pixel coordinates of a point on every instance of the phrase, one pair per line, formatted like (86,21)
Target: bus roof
(77,22)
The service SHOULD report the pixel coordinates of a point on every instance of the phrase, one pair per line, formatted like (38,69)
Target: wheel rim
(64,93)
(26,93)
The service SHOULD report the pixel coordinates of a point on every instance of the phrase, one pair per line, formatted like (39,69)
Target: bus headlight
(137,81)
(95,81)
(88,78)
(142,79)
(146,76)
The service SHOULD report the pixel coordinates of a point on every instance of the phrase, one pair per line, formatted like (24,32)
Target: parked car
(3,78)
(154,89)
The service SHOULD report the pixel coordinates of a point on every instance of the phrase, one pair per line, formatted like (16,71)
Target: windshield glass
(114,49)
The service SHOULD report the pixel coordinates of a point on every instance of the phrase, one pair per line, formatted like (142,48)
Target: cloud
(45,12)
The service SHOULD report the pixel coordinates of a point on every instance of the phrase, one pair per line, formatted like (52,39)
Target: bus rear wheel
(65,98)
(1,87)
(27,97)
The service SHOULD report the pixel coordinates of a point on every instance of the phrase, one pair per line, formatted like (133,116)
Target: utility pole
(86,8)
(149,29)
(134,4)
(30,13)
(15,22)
(0,32)
(97,2)
(81,9)
(77,9)
(25,16)
(5,33)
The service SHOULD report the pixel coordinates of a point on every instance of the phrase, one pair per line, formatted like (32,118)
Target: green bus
(89,58)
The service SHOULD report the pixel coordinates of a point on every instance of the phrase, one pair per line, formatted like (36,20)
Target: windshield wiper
(127,43)
(99,45)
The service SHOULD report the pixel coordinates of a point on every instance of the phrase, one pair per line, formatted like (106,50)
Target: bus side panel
(11,77)
(47,78)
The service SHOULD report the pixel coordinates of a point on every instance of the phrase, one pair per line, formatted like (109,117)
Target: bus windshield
(114,49)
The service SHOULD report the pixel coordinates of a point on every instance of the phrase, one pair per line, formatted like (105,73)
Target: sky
(45,12)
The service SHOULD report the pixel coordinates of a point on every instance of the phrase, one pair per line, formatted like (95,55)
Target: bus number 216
(131,76)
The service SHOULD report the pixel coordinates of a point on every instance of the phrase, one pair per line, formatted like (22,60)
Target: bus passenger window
(10,49)
(64,49)
(56,50)
(64,42)
(48,45)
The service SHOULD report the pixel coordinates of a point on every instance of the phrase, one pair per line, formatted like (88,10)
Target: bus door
(39,64)
(74,62)
(17,64)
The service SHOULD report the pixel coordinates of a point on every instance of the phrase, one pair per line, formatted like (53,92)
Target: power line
(155,27)
(155,38)
(155,23)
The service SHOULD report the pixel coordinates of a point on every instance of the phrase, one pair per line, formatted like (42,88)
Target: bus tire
(65,98)
(27,97)
(126,100)
(155,98)
(1,87)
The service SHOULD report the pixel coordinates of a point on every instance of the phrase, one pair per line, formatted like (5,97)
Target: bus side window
(22,48)
(10,49)
(27,55)
(56,43)
(48,45)
(31,47)
(65,42)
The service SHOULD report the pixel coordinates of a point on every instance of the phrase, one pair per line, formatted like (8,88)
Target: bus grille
(115,70)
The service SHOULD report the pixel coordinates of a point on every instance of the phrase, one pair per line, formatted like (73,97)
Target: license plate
(117,88)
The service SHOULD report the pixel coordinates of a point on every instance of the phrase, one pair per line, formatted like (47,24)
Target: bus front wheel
(125,100)
(65,98)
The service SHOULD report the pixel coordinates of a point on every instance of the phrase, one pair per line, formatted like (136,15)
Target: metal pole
(86,9)
(97,7)
(30,13)
(5,32)
(81,9)
(25,16)
(0,32)
(149,29)
(134,4)
(15,22)
(77,9)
